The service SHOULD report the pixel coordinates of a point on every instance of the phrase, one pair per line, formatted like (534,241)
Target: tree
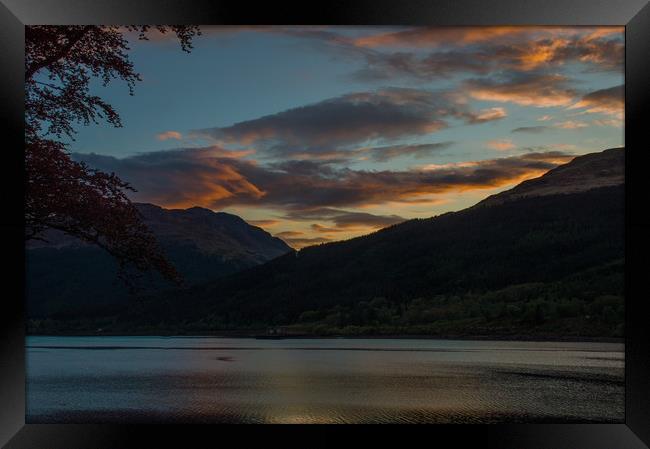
(64,194)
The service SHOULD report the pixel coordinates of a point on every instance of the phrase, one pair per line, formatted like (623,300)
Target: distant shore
(261,335)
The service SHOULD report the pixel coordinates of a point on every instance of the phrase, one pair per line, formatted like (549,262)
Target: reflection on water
(176,379)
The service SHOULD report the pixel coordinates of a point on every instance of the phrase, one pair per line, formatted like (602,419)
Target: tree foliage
(63,194)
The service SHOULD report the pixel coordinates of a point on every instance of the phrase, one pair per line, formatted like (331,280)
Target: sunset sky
(319,134)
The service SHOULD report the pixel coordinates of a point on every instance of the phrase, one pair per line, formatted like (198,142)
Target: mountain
(544,258)
(583,173)
(68,276)
(212,233)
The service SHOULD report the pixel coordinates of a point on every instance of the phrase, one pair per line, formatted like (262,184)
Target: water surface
(208,379)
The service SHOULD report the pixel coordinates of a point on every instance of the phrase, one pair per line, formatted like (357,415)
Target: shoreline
(526,338)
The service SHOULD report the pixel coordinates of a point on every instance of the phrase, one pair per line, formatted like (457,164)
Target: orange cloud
(487,50)
(610,101)
(324,229)
(490,114)
(210,187)
(264,223)
(591,48)
(289,234)
(571,124)
(216,151)
(501,145)
(541,53)
(303,242)
(431,37)
(169,135)
(183,178)
(534,90)
(616,123)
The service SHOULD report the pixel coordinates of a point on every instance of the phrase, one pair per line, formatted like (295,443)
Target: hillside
(587,172)
(66,276)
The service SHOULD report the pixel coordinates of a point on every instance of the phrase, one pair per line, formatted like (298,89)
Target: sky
(319,134)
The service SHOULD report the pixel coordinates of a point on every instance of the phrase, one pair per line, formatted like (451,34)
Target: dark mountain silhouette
(544,258)
(68,276)
(583,173)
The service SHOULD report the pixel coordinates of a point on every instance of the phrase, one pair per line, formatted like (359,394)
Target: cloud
(264,223)
(538,90)
(567,124)
(592,49)
(484,50)
(350,118)
(616,123)
(325,230)
(169,135)
(289,234)
(302,242)
(341,124)
(344,224)
(610,101)
(184,178)
(386,66)
(342,218)
(352,219)
(357,188)
(435,36)
(467,35)
(490,114)
(531,129)
(419,151)
(571,124)
(547,148)
(501,144)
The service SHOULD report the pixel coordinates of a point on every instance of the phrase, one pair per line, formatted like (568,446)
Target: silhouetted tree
(64,194)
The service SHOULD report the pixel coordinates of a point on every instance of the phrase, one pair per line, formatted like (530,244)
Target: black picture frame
(633,14)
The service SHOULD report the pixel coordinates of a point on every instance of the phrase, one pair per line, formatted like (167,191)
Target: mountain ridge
(64,271)
(585,172)
(165,224)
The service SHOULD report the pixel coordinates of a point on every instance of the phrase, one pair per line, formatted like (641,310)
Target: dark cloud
(264,223)
(325,229)
(184,178)
(340,124)
(435,36)
(443,64)
(342,218)
(482,50)
(598,50)
(302,242)
(531,129)
(289,234)
(347,119)
(383,154)
(352,219)
(610,101)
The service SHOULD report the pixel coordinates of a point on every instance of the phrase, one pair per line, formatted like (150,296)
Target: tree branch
(48,85)
(30,71)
